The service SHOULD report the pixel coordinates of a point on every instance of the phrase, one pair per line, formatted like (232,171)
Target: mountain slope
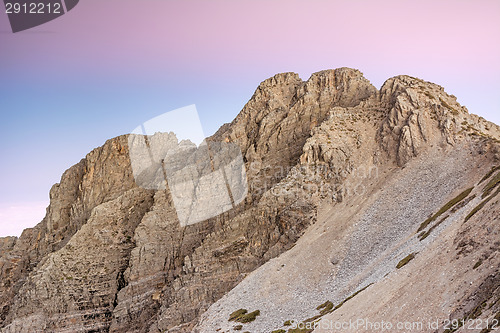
(358,243)
(341,176)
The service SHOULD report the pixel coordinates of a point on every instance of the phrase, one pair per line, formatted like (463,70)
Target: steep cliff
(340,175)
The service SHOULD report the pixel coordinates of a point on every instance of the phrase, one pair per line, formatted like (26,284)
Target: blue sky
(109,65)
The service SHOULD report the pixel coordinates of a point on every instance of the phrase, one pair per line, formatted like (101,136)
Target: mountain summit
(362,204)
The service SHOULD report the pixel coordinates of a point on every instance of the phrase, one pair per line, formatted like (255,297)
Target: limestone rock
(112,257)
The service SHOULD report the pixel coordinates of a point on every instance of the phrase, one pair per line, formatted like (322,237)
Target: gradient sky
(109,65)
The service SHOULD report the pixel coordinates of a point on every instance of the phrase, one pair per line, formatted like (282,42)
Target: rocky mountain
(362,203)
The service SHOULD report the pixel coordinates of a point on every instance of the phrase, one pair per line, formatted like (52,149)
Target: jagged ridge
(162,276)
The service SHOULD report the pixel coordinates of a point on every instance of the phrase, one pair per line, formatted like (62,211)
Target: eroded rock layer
(112,257)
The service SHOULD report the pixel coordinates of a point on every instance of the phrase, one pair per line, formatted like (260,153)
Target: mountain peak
(324,160)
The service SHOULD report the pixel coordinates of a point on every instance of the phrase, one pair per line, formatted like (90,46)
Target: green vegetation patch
(474,314)
(445,208)
(238,327)
(405,260)
(463,203)
(308,325)
(476,209)
(492,324)
(488,175)
(325,308)
(478,263)
(249,317)
(237,314)
(477,311)
(491,185)
(309,320)
(350,297)
(425,234)
(481,205)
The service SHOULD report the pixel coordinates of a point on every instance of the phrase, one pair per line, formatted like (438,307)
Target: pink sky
(204,45)
(213,37)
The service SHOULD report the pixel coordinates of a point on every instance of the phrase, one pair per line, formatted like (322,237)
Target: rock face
(102,176)
(325,159)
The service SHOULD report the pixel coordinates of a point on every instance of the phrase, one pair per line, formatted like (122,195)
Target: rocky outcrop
(102,176)
(112,257)
(76,286)
(421,115)
(200,263)
(274,125)
(377,172)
